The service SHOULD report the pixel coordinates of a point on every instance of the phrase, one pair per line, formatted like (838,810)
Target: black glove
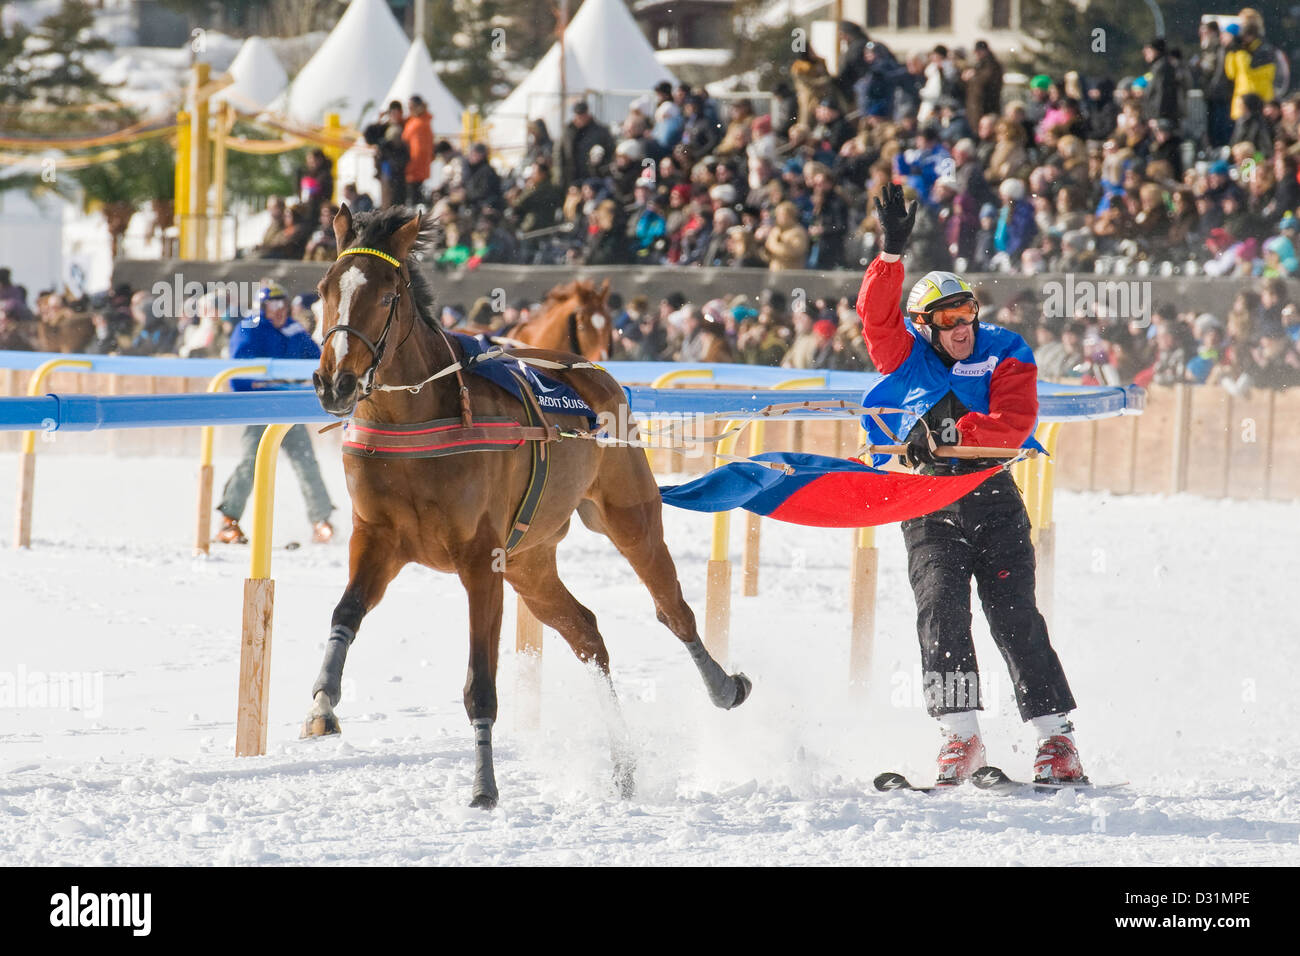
(920,451)
(896,219)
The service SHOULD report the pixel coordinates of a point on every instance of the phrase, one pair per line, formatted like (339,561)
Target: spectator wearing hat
(1040,95)
(1209,76)
(852,41)
(701,133)
(574,160)
(1250,63)
(391,154)
(812,83)
(921,166)
(479,180)
(831,132)
(874,90)
(1016,227)
(535,207)
(417,134)
(1163,96)
(739,130)
(272,334)
(983,82)
(786,241)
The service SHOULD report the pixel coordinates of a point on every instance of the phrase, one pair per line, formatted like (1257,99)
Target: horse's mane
(374,229)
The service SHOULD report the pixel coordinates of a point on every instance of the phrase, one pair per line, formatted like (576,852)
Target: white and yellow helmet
(935,290)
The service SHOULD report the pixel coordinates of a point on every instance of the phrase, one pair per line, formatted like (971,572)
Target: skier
(971,384)
(272,334)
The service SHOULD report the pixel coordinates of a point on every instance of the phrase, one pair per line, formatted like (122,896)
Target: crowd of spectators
(1190,168)
(1255,345)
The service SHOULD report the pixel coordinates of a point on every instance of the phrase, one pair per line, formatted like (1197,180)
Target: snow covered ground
(1175,620)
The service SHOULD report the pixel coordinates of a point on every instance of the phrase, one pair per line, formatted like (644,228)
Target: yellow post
(225,115)
(1029,491)
(183,207)
(863,573)
(333,128)
(259,604)
(27,458)
(203,532)
(528,678)
(667,380)
(753,523)
(1045,548)
(200,159)
(717,589)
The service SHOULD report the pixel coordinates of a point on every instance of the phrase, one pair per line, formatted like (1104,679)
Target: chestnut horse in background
(455,512)
(573,318)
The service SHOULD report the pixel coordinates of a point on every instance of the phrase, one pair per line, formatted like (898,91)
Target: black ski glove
(919,449)
(896,219)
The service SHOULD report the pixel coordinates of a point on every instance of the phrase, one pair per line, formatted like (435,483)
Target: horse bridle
(367,381)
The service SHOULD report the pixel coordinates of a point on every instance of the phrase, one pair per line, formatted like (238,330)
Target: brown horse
(574,318)
(456,513)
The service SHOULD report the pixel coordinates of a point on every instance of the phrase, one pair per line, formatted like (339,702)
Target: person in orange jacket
(418,136)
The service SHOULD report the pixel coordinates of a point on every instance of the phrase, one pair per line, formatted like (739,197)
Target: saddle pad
(552,395)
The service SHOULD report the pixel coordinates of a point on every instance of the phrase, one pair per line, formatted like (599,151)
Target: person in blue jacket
(271,334)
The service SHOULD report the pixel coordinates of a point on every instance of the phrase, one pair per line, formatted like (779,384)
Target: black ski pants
(984,534)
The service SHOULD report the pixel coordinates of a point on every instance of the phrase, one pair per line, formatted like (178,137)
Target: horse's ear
(604,289)
(343,234)
(404,238)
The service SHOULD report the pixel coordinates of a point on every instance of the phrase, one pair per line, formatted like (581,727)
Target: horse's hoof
(320,725)
(484,801)
(743,687)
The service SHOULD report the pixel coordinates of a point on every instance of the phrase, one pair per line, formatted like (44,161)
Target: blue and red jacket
(998,383)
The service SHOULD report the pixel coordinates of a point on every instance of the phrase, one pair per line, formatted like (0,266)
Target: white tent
(417,75)
(607,60)
(258,75)
(351,71)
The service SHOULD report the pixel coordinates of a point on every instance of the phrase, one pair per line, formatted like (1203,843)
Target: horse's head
(360,295)
(591,332)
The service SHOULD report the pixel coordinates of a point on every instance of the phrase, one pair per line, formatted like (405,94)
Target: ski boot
(959,758)
(1058,761)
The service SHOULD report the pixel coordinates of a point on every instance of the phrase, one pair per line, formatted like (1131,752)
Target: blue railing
(93,412)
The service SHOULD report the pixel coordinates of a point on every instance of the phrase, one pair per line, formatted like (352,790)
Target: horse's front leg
(372,567)
(483,584)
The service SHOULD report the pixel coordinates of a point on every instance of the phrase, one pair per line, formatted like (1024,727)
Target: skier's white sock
(963,723)
(1053,725)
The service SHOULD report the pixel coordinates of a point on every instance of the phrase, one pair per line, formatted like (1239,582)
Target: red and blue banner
(823,492)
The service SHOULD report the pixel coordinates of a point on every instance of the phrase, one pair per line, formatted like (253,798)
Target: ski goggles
(951,316)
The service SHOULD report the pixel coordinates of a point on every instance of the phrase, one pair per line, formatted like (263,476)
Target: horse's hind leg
(371,568)
(536,580)
(627,500)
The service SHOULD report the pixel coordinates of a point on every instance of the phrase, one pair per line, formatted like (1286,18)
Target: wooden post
(717,608)
(1045,575)
(864,570)
(27,460)
(528,683)
(26,489)
(749,562)
(203,525)
(753,523)
(1182,431)
(200,159)
(259,605)
(255,668)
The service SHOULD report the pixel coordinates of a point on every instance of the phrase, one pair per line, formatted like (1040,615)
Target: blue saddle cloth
(552,395)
